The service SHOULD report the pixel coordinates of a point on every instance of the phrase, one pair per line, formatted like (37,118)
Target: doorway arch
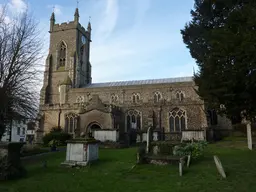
(93,126)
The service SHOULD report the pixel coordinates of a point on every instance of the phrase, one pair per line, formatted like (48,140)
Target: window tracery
(177,120)
(71,123)
(157,97)
(80,99)
(133,119)
(62,55)
(114,98)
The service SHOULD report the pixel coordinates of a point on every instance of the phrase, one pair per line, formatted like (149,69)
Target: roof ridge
(141,82)
(144,80)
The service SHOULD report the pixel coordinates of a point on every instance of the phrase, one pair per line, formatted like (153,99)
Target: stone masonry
(69,99)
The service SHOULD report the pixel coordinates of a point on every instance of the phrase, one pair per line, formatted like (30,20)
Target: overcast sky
(131,39)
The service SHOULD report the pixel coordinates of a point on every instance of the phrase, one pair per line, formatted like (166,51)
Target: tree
(20,56)
(221,38)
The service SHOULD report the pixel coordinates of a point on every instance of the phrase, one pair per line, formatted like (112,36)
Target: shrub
(195,149)
(60,136)
(56,129)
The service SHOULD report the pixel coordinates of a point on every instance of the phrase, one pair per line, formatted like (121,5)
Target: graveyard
(115,171)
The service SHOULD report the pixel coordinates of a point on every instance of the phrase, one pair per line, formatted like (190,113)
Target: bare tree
(20,56)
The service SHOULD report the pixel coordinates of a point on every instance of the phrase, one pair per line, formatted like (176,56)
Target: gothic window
(133,120)
(157,97)
(62,57)
(71,123)
(114,98)
(180,95)
(135,97)
(177,120)
(80,99)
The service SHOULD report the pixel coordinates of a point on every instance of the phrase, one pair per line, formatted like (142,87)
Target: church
(69,99)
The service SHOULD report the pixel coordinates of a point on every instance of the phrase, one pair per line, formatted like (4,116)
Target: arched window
(135,97)
(80,99)
(62,57)
(71,123)
(177,120)
(133,120)
(180,95)
(157,97)
(114,98)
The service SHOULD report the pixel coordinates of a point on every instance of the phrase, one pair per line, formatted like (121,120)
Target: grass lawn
(113,173)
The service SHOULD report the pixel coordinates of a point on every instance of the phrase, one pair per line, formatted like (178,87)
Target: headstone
(149,138)
(188,161)
(249,135)
(219,166)
(180,168)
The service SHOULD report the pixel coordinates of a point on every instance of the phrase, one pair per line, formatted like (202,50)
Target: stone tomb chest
(81,151)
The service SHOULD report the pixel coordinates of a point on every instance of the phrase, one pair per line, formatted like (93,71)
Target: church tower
(68,59)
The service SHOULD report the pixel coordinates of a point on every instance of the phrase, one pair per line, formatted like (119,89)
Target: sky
(131,39)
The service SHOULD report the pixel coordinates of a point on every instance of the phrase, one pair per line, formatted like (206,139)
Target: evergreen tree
(221,38)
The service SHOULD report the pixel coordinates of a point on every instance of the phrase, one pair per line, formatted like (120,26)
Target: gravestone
(81,151)
(180,168)
(188,161)
(149,139)
(219,166)
(249,134)
(10,163)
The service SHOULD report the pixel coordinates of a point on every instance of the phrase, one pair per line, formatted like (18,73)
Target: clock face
(83,39)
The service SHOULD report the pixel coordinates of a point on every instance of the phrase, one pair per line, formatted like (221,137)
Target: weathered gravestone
(81,151)
(10,164)
(249,134)
(219,166)
(188,161)
(149,139)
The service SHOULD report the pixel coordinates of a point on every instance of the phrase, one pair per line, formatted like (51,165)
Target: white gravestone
(249,134)
(149,135)
(219,166)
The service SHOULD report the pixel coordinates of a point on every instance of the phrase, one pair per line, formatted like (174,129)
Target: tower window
(62,58)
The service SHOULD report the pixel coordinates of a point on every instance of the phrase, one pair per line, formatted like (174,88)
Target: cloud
(57,9)
(109,19)
(3,17)
(17,6)
(131,39)
(124,53)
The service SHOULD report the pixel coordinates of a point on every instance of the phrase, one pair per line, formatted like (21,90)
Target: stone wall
(191,104)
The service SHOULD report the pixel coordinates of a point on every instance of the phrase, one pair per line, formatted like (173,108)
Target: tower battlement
(68,25)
